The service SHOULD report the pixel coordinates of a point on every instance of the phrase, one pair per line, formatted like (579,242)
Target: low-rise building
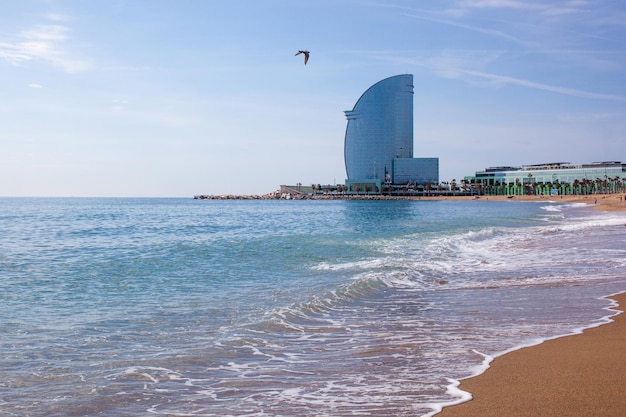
(550,178)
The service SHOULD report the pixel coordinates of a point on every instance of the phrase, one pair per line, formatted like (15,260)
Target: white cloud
(511,4)
(505,80)
(119,104)
(43,43)
(558,11)
(57,17)
(574,3)
(567,7)
(35,85)
(46,33)
(469,66)
(476,28)
(455,63)
(592,117)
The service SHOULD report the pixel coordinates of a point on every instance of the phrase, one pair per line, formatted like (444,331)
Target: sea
(182,307)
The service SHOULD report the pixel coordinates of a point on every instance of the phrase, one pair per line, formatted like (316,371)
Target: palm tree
(597,185)
(616,183)
(499,187)
(479,187)
(584,183)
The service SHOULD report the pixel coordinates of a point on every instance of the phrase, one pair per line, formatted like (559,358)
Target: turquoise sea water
(178,307)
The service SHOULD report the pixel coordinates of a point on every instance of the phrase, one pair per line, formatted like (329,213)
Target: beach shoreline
(582,374)
(602,202)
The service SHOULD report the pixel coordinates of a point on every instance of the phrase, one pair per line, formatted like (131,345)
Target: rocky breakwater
(278,195)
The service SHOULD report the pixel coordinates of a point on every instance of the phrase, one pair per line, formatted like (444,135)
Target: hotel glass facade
(415,170)
(378,145)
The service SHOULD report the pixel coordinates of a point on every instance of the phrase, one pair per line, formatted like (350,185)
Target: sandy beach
(581,375)
(604,202)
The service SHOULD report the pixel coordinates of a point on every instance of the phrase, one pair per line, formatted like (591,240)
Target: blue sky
(177,98)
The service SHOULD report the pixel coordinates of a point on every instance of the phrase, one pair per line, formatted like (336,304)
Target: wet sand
(574,376)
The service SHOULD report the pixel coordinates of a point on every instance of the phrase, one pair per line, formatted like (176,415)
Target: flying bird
(306,56)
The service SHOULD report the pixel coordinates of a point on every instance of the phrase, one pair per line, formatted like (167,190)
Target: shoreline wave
(365,306)
(464,396)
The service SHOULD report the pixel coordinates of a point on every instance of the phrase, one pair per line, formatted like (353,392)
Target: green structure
(556,178)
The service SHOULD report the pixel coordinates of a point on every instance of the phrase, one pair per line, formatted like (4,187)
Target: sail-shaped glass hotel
(379,138)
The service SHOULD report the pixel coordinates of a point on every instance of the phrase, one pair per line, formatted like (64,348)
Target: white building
(551,178)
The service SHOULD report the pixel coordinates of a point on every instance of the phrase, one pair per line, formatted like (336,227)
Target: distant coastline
(287,196)
(603,202)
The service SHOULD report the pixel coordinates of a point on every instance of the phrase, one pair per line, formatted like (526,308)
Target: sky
(155,98)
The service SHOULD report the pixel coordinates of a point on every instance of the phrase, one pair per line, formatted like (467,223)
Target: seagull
(306,55)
